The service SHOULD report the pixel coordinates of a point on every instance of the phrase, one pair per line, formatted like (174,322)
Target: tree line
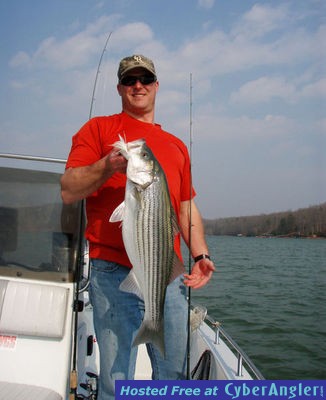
(305,222)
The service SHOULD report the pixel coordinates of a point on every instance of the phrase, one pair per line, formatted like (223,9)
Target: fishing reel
(90,387)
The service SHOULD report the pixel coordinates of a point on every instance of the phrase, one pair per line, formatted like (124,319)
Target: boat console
(39,255)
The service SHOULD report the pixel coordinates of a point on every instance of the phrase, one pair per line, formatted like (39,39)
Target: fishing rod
(91,113)
(97,74)
(189,227)
(73,373)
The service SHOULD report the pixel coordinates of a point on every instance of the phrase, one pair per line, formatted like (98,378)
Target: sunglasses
(130,80)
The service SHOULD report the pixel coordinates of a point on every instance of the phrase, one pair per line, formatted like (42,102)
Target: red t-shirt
(92,142)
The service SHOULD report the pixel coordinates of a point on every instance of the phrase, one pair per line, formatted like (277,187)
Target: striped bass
(149,226)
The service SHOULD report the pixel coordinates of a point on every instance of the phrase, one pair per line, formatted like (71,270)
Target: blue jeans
(117,317)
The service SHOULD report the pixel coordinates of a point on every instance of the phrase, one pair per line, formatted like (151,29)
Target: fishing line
(189,227)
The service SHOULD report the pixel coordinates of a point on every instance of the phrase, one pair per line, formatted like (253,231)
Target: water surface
(270,295)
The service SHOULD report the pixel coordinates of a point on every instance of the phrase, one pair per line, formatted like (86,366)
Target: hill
(305,222)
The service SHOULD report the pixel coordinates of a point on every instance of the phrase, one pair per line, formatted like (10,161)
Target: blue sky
(258,88)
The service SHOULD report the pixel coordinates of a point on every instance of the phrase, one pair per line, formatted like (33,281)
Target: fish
(149,228)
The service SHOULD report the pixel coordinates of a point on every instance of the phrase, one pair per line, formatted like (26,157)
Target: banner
(220,390)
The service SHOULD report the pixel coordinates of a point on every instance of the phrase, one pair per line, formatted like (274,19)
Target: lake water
(270,295)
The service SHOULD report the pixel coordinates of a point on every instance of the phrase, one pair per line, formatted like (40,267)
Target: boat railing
(32,158)
(242,357)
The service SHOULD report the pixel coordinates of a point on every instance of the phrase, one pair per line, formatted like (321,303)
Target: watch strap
(201,257)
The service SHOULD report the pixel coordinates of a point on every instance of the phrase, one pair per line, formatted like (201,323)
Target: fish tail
(151,333)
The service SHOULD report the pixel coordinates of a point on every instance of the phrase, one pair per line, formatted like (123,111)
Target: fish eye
(145,155)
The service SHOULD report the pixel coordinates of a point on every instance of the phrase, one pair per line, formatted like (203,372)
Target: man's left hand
(201,273)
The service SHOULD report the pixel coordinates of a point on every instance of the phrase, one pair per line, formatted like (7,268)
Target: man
(96,171)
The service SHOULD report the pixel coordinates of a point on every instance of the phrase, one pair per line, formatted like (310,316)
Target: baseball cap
(135,61)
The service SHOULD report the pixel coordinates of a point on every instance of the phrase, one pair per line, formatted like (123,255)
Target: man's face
(138,98)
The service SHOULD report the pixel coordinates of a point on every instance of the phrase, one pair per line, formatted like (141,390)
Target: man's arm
(79,182)
(203,269)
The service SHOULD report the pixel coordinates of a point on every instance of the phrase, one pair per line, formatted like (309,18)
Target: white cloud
(262,19)
(214,53)
(265,89)
(206,3)
(243,128)
(99,5)
(73,52)
(315,89)
(219,52)
(130,35)
(21,59)
(76,51)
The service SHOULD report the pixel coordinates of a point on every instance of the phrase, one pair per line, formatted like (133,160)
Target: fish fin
(151,332)
(175,225)
(177,269)
(130,285)
(118,213)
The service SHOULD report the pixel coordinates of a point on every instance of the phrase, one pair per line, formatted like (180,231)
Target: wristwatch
(201,257)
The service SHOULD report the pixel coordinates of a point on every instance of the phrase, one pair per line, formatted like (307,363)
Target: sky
(242,83)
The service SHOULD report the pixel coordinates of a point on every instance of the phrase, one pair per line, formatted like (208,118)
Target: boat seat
(16,391)
(32,309)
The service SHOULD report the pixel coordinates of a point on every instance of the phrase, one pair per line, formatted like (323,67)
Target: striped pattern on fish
(149,226)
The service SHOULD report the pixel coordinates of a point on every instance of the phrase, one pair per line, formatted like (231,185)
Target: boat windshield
(39,235)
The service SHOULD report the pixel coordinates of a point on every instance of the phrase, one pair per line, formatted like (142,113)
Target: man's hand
(80,182)
(201,273)
(116,162)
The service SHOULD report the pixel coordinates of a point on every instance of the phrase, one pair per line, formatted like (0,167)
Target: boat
(48,347)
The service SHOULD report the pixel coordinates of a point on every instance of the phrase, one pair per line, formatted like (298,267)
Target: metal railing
(32,158)
(242,357)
